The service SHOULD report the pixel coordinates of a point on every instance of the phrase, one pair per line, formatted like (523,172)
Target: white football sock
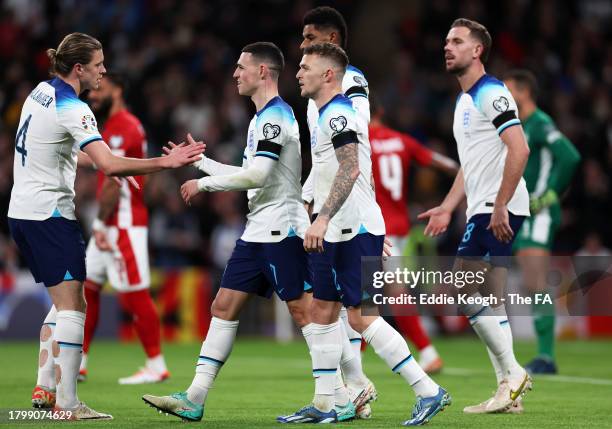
(504,322)
(307,333)
(214,352)
(326,351)
(353,336)
(350,364)
(485,323)
(499,375)
(157,364)
(68,339)
(46,368)
(392,348)
(341,395)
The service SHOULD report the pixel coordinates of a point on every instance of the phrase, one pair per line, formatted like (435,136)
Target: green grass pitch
(263,379)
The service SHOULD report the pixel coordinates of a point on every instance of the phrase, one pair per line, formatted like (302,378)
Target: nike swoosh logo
(515,393)
(462,247)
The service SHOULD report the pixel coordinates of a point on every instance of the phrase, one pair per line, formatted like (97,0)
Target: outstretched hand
(439,219)
(184,154)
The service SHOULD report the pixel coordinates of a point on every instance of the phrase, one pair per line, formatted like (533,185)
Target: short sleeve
(497,104)
(80,123)
(271,130)
(339,123)
(354,83)
(355,87)
(362,107)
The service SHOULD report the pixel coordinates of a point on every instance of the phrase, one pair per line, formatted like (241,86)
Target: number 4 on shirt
(23,131)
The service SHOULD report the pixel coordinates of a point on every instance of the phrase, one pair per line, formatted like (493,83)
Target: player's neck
(527,109)
(471,76)
(263,95)
(325,95)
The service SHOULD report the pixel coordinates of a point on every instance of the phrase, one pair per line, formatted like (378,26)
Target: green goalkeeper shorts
(539,230)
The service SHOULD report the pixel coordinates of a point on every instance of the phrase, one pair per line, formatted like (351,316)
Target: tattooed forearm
(347,174)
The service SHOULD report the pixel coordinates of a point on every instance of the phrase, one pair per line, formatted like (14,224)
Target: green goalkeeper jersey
(553,158)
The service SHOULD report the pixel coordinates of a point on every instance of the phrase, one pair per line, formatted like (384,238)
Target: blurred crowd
(179,58)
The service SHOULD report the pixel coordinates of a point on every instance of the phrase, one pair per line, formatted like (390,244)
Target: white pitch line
(555,378)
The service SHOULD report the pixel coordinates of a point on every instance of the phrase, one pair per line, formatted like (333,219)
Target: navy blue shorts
(54,248)
(261,268)
(336,273)
(480,243)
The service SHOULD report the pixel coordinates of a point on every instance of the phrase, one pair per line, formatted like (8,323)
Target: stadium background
(179,57)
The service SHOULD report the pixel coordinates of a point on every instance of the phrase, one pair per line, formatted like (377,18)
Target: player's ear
(329,75)
(263,70)
(478,50)
(334,37)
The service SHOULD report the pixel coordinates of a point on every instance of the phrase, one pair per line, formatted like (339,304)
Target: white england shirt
(355,87)
(54,125)
(481,115)
(276,210)
(360,213)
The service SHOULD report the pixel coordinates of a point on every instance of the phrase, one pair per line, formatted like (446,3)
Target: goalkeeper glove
(548,198)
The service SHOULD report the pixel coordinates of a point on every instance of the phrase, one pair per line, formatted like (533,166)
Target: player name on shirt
(391,145)
(41,98)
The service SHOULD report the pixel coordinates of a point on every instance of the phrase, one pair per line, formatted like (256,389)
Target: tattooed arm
(348,171)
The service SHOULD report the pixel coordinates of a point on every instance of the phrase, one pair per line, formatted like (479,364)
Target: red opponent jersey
(125,136)
(392,153)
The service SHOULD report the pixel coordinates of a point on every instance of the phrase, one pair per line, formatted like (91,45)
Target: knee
(218,310)
(318,312)
(299,313)
(356,321)
(221,309)
(324,312)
